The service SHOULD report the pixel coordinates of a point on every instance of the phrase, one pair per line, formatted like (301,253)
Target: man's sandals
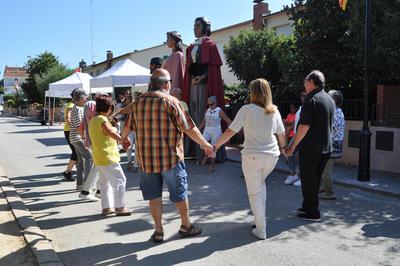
(184,231)
(189,231)
(157,237)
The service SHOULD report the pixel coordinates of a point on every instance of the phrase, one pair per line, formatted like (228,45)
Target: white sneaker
(297,183)
(291,179)
(88,197)
(258,235)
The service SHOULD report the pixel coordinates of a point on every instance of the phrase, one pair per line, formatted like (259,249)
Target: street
(359,228)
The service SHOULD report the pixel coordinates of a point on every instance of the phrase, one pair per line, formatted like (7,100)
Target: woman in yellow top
(73,158)
(106,158)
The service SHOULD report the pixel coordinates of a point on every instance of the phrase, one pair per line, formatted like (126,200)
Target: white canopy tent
(63,88)
(124,73)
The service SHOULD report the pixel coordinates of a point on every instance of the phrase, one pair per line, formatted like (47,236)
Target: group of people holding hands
(181,100)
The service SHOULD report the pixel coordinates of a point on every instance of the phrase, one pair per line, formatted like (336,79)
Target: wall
(380,159)
(280,23)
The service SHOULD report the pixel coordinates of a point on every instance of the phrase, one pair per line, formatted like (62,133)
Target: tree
(263,54)
(37,66)
(320,28)
(1,90)
(332,40)
(55,73)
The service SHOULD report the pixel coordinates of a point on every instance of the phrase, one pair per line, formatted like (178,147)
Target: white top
(76,120)
(259,129)
(296,119)
(213,119)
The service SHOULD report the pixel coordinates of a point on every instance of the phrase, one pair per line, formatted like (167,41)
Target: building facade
(13,78)
(140,57)
(262,18)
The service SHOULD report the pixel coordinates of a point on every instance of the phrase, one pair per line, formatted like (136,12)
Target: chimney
(109,59)
(260,9)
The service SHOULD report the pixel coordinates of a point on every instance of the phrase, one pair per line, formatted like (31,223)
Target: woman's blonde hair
(261,95)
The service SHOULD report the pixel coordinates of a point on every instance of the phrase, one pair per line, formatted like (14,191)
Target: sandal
(122,212)
(189,231)
(157,237)
(107,212)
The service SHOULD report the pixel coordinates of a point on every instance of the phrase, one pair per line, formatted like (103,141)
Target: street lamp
(365,136)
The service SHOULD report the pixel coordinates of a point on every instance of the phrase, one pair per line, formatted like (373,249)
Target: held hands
(126,143)
(208,150)
(289,150)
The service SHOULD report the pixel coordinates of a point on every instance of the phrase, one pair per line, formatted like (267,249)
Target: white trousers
(112,182)
(256,168)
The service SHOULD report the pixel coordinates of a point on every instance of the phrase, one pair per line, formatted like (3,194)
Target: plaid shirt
(159,120)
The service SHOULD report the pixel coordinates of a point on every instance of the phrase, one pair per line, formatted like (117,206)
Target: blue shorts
(175,178)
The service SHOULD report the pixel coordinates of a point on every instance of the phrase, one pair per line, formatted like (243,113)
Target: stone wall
(385,147)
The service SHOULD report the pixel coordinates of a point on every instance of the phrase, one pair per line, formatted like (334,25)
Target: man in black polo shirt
(314,139)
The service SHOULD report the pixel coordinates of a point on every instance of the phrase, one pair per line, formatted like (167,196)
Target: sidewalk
(384,183)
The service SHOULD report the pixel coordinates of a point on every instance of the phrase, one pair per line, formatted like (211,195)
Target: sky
(63,27)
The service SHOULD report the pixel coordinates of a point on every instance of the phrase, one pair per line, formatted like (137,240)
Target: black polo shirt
(317,111)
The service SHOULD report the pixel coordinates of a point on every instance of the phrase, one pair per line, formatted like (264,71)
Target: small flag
(342,4)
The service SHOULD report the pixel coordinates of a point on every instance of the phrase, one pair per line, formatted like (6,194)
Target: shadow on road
(52,141)
(36,131)
(229,236)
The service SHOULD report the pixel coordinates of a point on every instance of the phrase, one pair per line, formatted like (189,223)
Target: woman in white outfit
(212,122)
(264,140)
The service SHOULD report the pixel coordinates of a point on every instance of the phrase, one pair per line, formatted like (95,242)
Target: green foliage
(385,63)
(10,103)
(37,66)
(1,90)
(9,97)
(332,40)
(53,74)
(320,30)
(238,95)
(264,54)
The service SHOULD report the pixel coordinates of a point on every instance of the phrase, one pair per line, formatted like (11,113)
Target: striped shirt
(76,119)
(159,121)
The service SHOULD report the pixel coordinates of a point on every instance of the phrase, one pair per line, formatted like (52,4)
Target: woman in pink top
(175,62)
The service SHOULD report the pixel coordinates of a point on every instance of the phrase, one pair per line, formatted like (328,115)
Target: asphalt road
(359,228)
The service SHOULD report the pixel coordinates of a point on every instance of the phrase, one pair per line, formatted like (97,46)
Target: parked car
(1,110)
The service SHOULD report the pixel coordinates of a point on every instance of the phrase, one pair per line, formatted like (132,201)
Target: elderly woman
(212,122)
(106,158)
(264,140)
(337,146)
(76,137)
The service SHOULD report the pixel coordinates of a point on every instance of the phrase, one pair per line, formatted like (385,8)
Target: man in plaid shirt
(159,121)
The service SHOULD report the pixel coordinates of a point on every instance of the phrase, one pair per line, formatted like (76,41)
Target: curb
(343,184)
(39,245)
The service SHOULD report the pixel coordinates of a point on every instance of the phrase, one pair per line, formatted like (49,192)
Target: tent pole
(54,110)
(49,110)
(44,108)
